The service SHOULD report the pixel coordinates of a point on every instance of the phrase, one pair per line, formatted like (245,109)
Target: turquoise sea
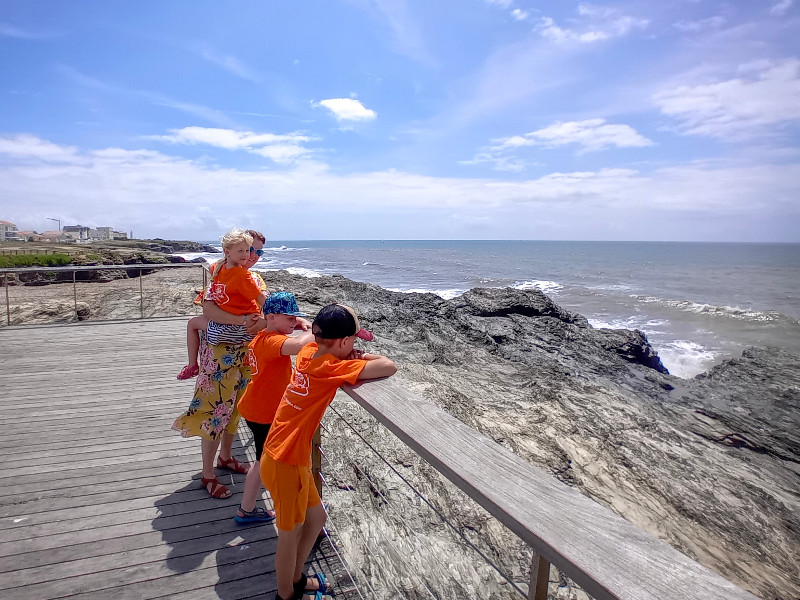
(698,303)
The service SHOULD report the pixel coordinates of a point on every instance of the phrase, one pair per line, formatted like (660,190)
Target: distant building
(8,231)
(77,232)
(81,234)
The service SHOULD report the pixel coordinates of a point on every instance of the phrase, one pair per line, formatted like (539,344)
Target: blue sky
(404,119)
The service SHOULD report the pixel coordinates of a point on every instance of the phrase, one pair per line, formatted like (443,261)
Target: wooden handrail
(610,558)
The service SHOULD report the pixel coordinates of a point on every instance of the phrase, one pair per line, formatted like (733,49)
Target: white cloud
(591,135)
(702,25)
(781,7)
(348,109)
(519,14)
(126,188)
(766,94)
(281,148)
(27,146)
(594,24)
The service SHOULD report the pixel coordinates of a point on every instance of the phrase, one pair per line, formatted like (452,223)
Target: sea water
(698,303)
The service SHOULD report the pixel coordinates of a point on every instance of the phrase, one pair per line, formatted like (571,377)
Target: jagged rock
(709,465)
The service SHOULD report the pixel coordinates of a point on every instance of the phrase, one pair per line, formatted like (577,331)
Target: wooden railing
(4,273)
(610,558)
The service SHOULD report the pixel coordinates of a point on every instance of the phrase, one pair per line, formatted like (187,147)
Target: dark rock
(711,465)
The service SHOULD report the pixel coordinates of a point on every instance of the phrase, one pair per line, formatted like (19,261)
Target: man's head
(281,312)
(255,247)
(337,325)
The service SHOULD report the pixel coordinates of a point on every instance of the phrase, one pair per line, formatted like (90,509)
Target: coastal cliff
(711,465)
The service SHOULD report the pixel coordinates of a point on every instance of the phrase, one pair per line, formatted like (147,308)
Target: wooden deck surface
(100,498)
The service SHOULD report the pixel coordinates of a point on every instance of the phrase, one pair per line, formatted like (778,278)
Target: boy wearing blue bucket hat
(269,357)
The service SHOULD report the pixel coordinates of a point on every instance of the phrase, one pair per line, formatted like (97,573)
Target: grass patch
(13,261)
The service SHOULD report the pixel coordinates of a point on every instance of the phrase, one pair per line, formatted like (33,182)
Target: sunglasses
(258,252)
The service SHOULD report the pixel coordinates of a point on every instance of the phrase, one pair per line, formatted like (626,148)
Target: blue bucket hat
(282,303)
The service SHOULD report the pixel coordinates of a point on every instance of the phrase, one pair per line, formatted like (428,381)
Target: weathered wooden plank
(606,555)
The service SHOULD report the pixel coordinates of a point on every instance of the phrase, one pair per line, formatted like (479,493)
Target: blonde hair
(236,236)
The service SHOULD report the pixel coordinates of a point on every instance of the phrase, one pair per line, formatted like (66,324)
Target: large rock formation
(710,465)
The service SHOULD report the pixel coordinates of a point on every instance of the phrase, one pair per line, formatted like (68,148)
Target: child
(321,367)
(270,362)
(200,323)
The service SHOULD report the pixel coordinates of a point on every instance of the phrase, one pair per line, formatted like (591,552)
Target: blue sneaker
(258,515)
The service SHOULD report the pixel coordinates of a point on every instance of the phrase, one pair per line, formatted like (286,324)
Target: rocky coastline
(711,465)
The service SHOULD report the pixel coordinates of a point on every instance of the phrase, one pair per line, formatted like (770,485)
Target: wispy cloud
(766,94)
(593,24)
(710,23)
(781,7)
(519,14)
(280,148)
(407,35)
(7,30)
(211,115)
(229,63)
(590,135)
(347,109)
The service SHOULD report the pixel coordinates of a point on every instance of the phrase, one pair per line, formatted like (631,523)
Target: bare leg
(252,486)
(286,559)
(193,329)
(209,451)
(226,446)
(315,521)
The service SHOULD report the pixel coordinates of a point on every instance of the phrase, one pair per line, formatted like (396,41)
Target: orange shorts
(292,489)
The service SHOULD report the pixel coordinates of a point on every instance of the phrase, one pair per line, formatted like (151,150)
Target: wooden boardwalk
(100,498)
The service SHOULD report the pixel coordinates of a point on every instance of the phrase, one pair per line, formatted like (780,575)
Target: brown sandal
(233,465)
(215,488)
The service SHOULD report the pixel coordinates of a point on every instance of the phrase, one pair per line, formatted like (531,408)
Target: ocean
(698,303)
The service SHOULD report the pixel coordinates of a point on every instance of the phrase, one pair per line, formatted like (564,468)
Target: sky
(676,120)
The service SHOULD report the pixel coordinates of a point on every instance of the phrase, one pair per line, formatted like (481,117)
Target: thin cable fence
(401,555)
(468,554)
(115,292)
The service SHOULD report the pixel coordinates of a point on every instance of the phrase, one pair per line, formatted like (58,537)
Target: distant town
(69,234)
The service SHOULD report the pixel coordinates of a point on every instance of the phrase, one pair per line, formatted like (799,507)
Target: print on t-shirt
(216,293)
(299,384)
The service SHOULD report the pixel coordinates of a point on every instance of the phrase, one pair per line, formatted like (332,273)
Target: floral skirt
(224,375)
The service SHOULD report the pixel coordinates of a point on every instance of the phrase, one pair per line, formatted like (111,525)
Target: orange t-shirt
(235,291)
(271,372)
(312,388)
(198,300)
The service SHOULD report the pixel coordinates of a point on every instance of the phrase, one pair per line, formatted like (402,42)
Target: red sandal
(232,465)
(215,488)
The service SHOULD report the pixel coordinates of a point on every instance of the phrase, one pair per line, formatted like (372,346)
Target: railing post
(75,293)
(316,459)
(539,577)
(141,296)
(8,306)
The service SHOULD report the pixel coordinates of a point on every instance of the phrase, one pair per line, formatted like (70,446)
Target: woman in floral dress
(224,375)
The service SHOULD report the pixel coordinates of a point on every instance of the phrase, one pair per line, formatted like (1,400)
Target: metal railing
(74,269)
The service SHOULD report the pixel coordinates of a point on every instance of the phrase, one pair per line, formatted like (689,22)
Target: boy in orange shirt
(321,367)
(269,357)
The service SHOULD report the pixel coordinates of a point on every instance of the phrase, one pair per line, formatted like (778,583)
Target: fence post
(316,459)
(8,306)
(540,574)
(75,293)
(141,296)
